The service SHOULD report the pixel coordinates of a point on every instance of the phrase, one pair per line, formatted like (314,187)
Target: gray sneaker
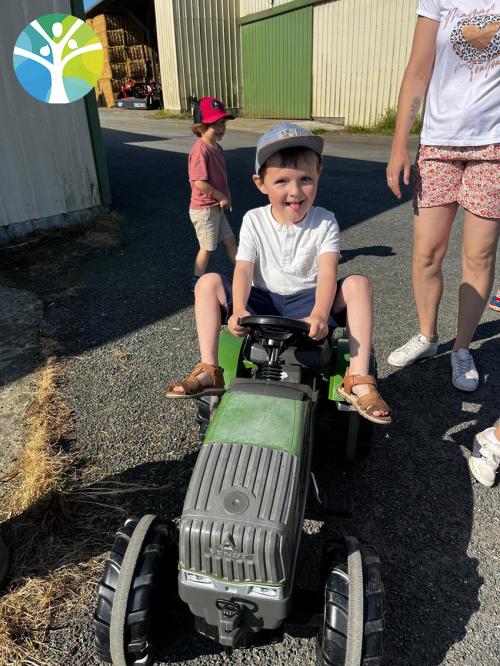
(464,374)
(416,348)
(485,457)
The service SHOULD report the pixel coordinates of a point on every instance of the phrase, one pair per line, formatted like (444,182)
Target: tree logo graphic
(58,58)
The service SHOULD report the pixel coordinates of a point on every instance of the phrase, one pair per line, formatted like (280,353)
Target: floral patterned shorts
(468,175)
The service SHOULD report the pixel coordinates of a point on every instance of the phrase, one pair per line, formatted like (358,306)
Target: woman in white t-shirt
(455,58)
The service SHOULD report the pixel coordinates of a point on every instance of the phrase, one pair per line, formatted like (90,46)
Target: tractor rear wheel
(206,407)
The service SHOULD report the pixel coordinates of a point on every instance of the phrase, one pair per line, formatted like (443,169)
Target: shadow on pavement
(368,251)
(414,501)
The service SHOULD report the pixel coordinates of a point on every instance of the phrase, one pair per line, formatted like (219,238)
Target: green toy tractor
(235,551)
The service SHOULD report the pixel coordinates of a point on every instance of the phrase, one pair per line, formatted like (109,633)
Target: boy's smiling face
(291,189)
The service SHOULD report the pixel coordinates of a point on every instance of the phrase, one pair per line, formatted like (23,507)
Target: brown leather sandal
(192,385)
(365,404)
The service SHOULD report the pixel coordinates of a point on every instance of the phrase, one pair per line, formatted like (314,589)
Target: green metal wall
(277,65)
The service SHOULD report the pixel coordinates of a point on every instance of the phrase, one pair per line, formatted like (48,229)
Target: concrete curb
(241,124)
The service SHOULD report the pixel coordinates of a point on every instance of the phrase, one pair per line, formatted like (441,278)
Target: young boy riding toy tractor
(241,525)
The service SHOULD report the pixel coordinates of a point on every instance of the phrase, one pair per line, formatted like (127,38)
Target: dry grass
(28,605)
(56,536)
(33,606)
(41,466)
(55,530)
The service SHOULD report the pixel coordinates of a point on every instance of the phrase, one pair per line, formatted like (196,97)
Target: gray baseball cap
(285,135)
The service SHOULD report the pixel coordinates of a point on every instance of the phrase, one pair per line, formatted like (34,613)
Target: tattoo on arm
(415,106)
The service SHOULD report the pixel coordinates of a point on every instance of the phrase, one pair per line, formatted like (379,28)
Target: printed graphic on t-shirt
(476,39)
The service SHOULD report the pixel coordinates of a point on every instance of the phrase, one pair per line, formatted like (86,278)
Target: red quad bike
(139,95)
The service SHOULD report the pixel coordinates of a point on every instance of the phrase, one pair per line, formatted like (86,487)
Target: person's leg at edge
(355,295)
(209,297)
(479,248)
(231,248)
(484,460)
(431,232)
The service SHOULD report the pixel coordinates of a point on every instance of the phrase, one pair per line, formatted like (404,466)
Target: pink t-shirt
(206,163)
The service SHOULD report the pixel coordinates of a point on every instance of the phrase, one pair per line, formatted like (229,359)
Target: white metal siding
(360,51)
(199,49)
(47,163)
(167,53)
(254,6)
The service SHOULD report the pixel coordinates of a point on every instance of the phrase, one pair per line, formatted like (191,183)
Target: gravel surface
(126,328)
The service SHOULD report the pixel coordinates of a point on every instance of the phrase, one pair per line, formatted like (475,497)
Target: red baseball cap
(208,110)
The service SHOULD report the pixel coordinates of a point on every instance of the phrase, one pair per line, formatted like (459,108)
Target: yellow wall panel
(199,50)
(167,53)
(360,51)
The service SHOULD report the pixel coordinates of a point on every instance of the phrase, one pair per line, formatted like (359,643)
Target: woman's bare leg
(431,232)
(478,269)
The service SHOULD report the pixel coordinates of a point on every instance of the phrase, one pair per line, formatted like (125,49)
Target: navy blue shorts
(296,306)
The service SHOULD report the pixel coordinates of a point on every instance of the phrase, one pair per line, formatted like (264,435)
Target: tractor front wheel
(123,620)
(352,629)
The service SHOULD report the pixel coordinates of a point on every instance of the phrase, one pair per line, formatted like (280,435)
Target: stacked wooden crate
(126,55)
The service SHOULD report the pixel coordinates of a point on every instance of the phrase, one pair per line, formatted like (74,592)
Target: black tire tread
(138,606)
(331,641)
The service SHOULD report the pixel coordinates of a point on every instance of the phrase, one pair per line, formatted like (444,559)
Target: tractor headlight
(197,578)
(271,592)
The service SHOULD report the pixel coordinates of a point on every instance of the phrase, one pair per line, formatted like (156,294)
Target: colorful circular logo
(58,58)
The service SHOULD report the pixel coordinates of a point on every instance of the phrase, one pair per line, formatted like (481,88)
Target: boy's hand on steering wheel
(234,323)
(318,326)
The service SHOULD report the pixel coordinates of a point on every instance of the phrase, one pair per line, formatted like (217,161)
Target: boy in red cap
(209,187)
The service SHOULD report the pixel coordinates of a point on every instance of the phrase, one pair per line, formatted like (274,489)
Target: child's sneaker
(416,348)
(485,457)
(464,374)
(494,303)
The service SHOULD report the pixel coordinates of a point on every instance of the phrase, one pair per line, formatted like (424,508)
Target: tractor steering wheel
(274,327)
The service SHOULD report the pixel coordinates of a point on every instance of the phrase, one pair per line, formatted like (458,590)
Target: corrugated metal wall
(360,51)
(167,53)
(254,6)
(47,165)
(277,65)
(198,43)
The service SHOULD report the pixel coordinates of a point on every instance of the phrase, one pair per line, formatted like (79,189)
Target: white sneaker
(416,348)
(464,374)
(485,458)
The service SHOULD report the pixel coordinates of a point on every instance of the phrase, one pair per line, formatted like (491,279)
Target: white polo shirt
(286,256)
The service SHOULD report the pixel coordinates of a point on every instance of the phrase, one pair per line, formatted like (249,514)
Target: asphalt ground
(123,317)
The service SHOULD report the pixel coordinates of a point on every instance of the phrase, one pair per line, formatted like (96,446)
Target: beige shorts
(211,226)
(468,175)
